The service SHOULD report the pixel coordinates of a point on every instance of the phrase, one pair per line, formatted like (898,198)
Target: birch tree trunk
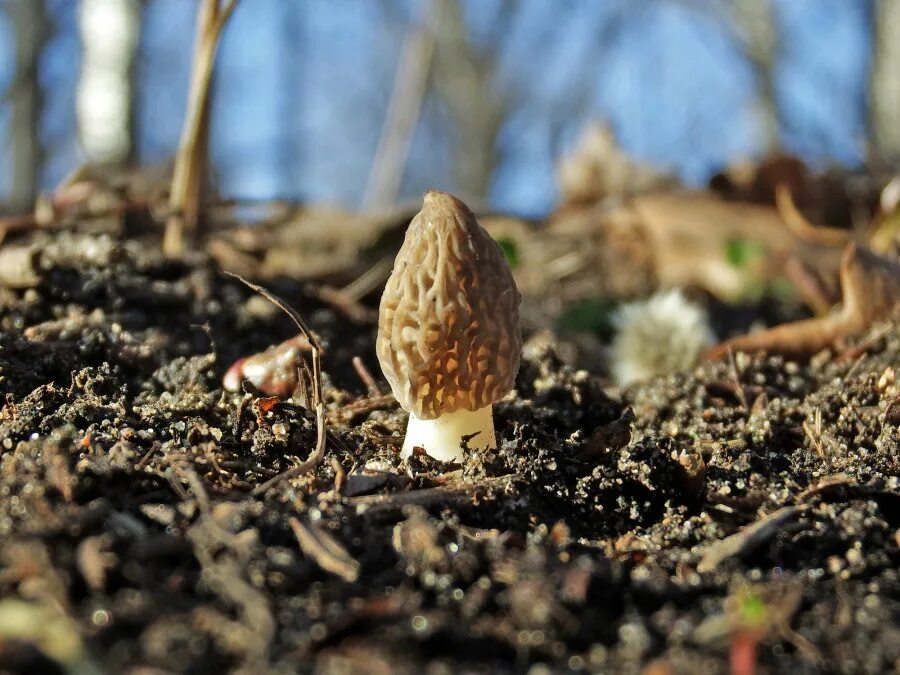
(29,25)
(109,31)
(884,84)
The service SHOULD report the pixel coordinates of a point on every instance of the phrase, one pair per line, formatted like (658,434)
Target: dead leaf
(609,438)
(598,169)
(870,287)
(801,227)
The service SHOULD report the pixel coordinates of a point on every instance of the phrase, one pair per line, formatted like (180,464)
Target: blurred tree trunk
(756,30)
(463,79)
(884,85)
(109,32)
(402,115)
(30,28)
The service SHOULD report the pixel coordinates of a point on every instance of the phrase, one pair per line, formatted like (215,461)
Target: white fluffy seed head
(663,334)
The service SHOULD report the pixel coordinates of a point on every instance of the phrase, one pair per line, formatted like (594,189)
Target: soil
(744,515)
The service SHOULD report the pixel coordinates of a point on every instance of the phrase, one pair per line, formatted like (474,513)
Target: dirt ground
(744,511)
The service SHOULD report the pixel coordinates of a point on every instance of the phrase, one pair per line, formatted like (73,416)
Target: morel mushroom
(448,329)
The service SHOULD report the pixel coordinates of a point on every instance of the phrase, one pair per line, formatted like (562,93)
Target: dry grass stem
(189,174)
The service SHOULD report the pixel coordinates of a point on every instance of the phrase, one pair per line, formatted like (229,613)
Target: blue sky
(303,87)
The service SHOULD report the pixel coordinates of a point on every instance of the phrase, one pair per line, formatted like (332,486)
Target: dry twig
(813,431)
(314,397)
(325,550)
(410,83)
(454,494)
(371,385)
(747,539)
(190,161)
(801,227)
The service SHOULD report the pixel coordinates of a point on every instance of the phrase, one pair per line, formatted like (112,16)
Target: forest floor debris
(612,530)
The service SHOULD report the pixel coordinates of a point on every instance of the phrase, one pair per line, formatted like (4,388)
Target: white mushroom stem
(442,437)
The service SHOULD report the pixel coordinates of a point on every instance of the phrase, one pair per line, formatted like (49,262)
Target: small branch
(311,462)
(325,550)
(454,495)
(317,455)
(371,385)
(747,539)
(364,406)
(315,345)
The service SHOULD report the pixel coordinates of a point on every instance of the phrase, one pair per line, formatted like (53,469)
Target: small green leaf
(741,252)
(510,250)
(589,315)
(753,610)
(783,290)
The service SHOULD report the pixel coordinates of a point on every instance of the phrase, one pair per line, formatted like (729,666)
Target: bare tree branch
(464,80)
(756,29)
(109,32)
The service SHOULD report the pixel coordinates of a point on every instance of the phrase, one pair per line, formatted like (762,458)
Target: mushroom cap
(448,327)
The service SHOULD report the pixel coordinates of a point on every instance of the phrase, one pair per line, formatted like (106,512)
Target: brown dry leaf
(599,169)
(801,227)
(758,181)
(690,234)
(870,287)
(669,238)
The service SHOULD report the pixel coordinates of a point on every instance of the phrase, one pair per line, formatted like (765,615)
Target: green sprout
(752,611)
(742,252)
(589,315)
(510,250)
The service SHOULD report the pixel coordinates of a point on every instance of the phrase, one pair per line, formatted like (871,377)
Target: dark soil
(595,539)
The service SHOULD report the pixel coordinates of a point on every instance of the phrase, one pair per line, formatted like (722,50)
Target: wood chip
(746,540)
(608,438)
(367,481)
